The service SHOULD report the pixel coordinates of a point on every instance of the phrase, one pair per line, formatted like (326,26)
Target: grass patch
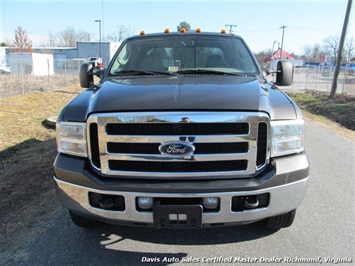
(340,109)
(27,152)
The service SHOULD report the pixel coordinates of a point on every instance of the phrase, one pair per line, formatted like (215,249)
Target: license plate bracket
(177,216)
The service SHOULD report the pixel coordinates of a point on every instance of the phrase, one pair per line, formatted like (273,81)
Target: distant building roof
(276,56)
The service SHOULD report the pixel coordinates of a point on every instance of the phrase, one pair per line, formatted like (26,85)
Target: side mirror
(89,69)
(284,74)
(86,75)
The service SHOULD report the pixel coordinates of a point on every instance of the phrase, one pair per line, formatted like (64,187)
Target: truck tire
(280,221)
(82,221)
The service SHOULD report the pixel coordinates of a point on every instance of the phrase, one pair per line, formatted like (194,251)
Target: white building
(83,50)
(31,63)
(4,62)
(63,57)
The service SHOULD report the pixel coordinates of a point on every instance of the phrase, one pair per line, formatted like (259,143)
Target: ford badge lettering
(176,148)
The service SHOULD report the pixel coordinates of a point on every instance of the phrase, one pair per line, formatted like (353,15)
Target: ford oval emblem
(176,148)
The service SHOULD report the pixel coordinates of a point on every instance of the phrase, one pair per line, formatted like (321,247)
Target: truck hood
(179,93)
(204,93)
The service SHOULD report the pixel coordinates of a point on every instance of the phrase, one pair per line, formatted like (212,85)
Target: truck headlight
(71,138)
(287,137)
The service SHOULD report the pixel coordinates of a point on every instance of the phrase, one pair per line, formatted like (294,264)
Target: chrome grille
(227,144)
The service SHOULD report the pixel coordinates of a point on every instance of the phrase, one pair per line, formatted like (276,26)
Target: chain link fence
(320,78)
(23,76)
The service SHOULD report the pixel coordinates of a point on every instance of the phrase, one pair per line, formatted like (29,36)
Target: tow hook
(106,203)
(251,202)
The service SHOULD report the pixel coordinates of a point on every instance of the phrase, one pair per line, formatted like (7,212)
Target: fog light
(145,203)
(211,203)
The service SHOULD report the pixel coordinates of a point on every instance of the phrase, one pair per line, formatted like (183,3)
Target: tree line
(66,38)
(316,52)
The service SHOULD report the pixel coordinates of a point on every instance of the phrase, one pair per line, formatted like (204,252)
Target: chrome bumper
(283,198)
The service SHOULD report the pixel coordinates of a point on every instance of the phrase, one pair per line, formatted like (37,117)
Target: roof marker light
(182,30)
(166,31)
(223,31)
(198,30)
(142,32)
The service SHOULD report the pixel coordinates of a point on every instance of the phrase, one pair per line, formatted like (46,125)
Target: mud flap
(177,216)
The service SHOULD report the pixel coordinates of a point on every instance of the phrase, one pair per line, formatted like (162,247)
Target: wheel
(82,221)
(280,221)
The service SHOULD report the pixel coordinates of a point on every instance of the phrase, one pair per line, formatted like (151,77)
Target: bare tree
(67,38)
(317,52)
(261,56)
(349,48)
(307,52)
(22,43)
(120,34)
(83,36)
(332,43)
(52,39)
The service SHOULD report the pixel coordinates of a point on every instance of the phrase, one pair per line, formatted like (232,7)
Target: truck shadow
(204,236)
(65,244)
(62,243)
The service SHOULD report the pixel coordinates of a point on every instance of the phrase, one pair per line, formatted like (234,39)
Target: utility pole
(282,40)
(340,51)
(102,19)
(230,27)
(273,45)
(98,20)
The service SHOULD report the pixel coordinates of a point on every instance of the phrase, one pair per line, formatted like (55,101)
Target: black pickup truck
(182,130)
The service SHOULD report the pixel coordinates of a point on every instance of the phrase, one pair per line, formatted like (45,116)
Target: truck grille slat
(94,143)
(200,148)
(177,128)
(223,144)
(170,167)
(261,144)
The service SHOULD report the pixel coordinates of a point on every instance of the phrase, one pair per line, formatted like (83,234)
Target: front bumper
(285,182)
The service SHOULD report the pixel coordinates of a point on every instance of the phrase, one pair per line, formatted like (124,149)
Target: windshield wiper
(215,72)
(207,71)
(140,72)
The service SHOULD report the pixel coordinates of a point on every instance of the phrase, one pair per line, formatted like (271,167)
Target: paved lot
(323,230)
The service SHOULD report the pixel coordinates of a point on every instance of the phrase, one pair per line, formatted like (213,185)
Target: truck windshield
(192,54)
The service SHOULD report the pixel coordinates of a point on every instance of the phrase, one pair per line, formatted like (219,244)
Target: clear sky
(258,22)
